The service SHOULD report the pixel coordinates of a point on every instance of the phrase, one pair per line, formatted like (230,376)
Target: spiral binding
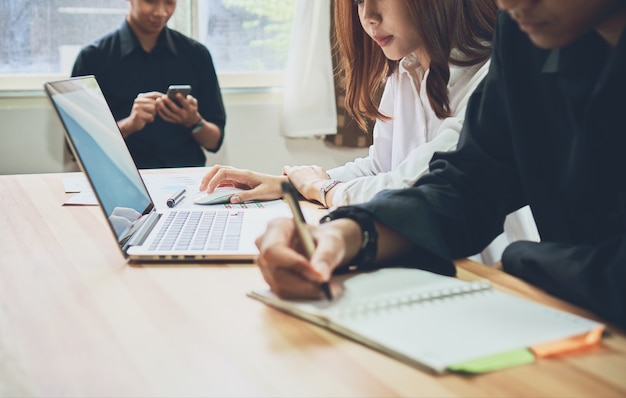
(404,299)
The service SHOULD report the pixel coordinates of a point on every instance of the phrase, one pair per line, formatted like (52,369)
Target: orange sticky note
(571,344)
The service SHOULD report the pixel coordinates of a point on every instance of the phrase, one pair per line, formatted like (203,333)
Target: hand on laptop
(258,186)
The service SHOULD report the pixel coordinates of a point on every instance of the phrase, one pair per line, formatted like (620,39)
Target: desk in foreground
(75,319)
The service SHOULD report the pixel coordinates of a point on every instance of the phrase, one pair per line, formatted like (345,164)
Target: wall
(32,137)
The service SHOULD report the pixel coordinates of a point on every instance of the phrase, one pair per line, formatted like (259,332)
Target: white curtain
(309,102)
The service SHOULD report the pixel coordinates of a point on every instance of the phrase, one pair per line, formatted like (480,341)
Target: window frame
(184,20)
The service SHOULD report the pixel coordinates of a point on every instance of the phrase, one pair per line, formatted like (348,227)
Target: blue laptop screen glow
(101,149)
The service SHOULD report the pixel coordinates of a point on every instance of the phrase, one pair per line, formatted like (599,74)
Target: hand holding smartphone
(184,89)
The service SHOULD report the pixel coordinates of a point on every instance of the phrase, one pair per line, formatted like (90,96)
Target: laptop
(143,232)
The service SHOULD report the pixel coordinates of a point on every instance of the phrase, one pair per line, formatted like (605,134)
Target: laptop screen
(101,150)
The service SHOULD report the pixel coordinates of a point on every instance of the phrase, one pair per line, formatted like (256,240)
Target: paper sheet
(160,186)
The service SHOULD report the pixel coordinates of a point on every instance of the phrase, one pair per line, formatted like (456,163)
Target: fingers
(169,110)
(152,95)
(329,253)
(144,115)
(268,189)
(223,175)
(289,285)
(209,176)
(182,111)
(279,266)
(287,270)
(143,110)
(257,186)
(190,103)
(147,105)
(145,101)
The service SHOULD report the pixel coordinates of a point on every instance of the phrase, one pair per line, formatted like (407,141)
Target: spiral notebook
(432,321)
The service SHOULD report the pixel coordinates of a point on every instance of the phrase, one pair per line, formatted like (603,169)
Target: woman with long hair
(430,55)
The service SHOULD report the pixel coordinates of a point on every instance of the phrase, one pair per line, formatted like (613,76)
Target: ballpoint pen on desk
(176,198)
(304,234)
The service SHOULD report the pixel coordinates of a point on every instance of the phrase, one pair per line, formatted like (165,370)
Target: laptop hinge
(142,228)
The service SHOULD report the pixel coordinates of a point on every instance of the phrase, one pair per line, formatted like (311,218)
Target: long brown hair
(442,25)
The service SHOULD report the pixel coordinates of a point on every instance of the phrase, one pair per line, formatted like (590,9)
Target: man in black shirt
(134,66)
(545,128)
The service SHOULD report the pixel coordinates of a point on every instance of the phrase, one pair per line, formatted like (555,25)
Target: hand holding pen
(301,228)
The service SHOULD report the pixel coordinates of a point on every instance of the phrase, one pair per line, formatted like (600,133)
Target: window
(246,35)
(248,39)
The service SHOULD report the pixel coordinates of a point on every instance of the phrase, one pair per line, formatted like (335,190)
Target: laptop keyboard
(188,230)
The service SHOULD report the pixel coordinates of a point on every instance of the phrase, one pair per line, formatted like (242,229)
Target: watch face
(328,185)
(197,127)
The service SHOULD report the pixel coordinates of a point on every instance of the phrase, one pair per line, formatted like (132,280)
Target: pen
(176,198)
(301,228)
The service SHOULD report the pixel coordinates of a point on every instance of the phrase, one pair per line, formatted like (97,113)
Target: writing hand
(284,264)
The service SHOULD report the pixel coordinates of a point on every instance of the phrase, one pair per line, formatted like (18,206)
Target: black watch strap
(366,256)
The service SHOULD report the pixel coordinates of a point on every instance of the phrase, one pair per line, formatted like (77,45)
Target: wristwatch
(366,256)
(198,126)
(327,186)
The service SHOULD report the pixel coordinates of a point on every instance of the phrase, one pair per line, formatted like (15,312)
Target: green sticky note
(495,362)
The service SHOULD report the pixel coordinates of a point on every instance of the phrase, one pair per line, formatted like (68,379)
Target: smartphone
(184,89)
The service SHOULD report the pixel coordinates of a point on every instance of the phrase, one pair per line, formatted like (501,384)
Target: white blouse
(404,145)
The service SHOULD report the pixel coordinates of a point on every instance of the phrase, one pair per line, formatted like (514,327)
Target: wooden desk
(77,320)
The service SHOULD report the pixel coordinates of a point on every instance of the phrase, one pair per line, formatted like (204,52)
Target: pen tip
(325,286)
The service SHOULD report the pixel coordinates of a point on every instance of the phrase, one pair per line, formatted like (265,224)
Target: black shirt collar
(586,64)
(616,64)
(130,43)
(578,65)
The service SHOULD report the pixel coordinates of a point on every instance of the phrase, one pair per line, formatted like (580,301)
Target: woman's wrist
(324,189)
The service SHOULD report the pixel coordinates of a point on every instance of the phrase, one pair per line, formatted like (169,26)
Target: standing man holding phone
(135,65)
